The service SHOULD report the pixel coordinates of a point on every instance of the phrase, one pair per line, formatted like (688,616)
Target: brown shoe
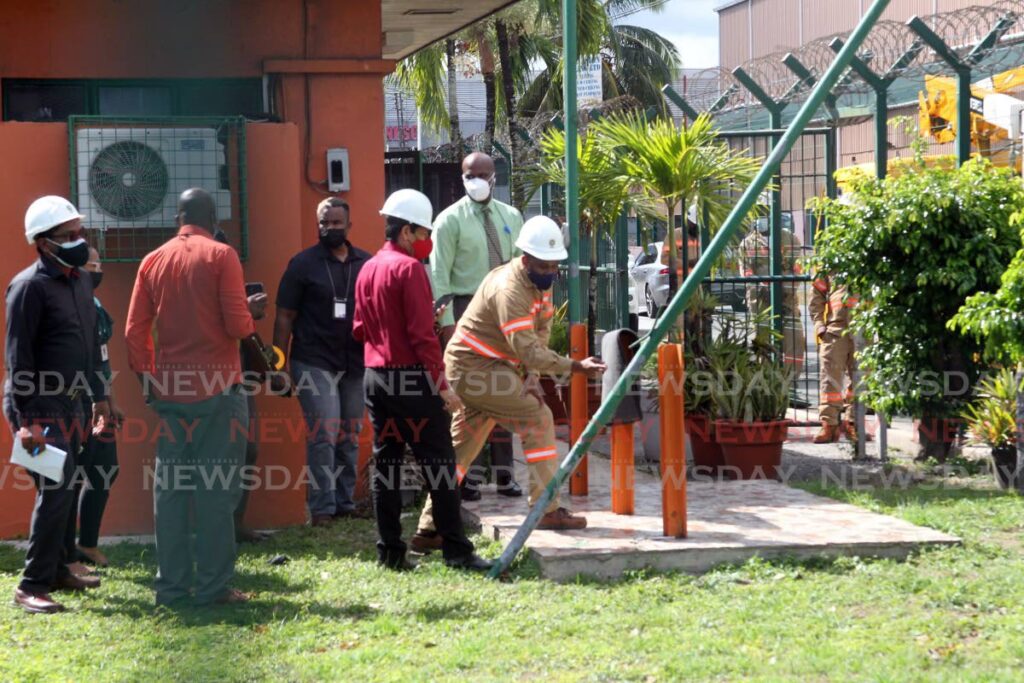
(561,519)
(36,603)
(80,569)
(94,556)
(828,433)
(232,596)
(70,582)
(425,542)
(850,432)
(322,520)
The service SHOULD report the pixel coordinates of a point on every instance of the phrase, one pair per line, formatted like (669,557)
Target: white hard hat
(691,214)
(46,213)
(409,205)
(542,238)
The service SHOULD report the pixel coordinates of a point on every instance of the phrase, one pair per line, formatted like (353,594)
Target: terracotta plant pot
(553,399)
(751,450)
(707,452)
(1004,463)
(593,398)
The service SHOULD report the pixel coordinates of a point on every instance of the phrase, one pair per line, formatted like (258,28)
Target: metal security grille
(127,175)
(750,272)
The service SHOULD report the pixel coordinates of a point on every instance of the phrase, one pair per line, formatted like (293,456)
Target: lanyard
(348,278)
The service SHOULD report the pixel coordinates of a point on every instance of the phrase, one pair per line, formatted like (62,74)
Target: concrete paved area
(729,522)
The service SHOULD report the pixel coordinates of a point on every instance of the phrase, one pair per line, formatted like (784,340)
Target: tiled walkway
(728,522)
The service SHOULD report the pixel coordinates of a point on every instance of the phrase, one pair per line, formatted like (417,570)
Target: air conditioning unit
(132,177)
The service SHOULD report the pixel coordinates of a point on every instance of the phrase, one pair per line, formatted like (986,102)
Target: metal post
(677,99)
(963,85)
(577,328)
(572,173)
(622,270)
(774,110)
(679,302)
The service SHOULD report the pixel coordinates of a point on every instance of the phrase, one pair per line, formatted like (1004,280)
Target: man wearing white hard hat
(404,384)
(52,362)
(505,330)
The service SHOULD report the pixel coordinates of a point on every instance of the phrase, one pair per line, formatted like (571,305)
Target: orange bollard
(622,469)
(578,483)
(673,435)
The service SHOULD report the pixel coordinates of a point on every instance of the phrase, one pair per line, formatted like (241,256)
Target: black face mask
(333,239)
(73,254)
(96,278)
(542,282)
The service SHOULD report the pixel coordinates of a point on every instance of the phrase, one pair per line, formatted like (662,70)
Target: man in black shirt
(52,360)
(315,305)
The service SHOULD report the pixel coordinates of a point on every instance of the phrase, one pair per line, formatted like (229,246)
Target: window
(57,99)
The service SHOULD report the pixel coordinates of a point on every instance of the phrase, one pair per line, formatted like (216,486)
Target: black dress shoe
(471,562)
(470,494)
(397,565)
(510,489)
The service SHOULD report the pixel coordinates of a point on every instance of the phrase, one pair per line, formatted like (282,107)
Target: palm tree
(454,129)
(636,61)
(679,167)
(605,193)
(423,74)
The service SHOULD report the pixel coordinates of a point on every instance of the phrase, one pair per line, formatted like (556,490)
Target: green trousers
(200,456)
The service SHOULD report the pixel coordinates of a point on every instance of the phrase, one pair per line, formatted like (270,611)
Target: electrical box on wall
(337,170)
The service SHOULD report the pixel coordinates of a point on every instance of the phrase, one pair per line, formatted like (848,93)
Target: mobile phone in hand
(443,301)
(253,288)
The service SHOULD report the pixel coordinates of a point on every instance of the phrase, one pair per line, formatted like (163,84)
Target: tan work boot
(850,432)
(561,520)
(828,433)
(425,542)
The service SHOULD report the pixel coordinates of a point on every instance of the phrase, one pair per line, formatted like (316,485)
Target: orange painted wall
(212,38)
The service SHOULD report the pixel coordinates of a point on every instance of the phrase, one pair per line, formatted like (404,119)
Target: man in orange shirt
(191,293)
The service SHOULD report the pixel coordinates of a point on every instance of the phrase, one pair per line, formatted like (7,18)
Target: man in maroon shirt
(190,293)
(406,393)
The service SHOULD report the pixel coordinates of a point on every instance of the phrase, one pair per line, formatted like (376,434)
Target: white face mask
(478,189)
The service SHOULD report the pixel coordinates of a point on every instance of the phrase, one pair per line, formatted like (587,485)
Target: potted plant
(751,395)
(990,421)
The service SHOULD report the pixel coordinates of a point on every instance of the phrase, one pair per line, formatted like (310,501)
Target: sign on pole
(589,92)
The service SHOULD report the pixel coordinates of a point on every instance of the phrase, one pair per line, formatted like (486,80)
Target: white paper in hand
(49,463)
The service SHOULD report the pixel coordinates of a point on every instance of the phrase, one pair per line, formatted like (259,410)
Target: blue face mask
(542,282)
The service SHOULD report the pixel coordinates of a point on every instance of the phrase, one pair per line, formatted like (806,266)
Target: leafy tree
(915,248)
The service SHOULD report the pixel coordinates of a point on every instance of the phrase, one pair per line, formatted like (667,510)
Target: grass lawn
(330,614)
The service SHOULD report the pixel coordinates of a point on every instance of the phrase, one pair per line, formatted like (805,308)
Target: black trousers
(500,441)
(47,558)
(405,411)
(97,470)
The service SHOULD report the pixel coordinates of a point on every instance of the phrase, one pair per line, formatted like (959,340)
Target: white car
(647,264)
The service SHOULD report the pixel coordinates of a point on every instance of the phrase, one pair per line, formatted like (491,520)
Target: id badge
(104,354)
(340,309)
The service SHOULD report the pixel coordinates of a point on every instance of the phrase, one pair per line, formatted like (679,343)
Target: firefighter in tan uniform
(829,308)
(755,260)
(501,339)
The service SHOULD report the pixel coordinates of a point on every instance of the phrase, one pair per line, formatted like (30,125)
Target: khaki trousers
(493,394)
(836,378)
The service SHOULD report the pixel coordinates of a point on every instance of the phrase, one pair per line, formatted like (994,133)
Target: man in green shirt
(472,237)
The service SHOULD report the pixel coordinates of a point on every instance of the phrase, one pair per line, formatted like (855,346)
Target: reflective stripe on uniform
(482,348)
(541,454)
(517,324)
